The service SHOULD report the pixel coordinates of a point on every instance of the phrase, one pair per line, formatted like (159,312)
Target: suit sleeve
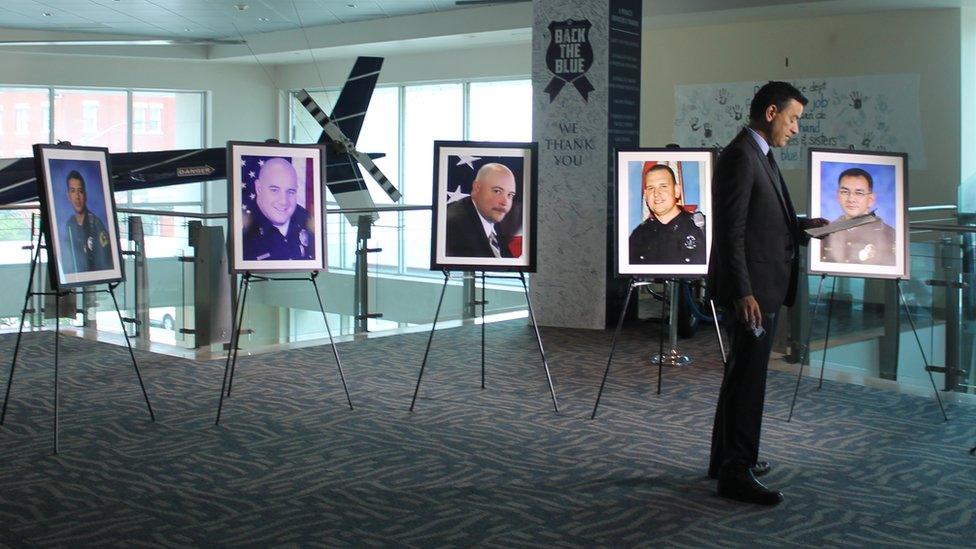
(733,190)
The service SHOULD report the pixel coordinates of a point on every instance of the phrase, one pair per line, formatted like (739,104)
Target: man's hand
(814,223)
(747,311)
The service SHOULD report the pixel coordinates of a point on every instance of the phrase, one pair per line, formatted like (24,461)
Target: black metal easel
(823,360)
(483,302)
(57,339)
(231,363)
(634,283)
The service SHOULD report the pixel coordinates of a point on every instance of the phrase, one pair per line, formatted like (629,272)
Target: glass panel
(166,120)
(431,112)
(500,111)
(94,118)
(23,120)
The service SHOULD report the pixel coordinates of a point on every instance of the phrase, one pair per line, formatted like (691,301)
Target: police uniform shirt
(870,244)
(679,242)
(87,247)
(263,241)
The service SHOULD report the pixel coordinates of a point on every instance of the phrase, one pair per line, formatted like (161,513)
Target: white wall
(926,42)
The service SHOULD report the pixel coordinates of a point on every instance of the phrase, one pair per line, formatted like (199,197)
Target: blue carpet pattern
(291,465)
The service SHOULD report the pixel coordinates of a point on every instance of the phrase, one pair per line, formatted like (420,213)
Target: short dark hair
(773,93)
(659,168)
(75,175)
(856,172)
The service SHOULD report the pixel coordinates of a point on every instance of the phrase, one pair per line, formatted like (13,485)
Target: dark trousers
(738,416)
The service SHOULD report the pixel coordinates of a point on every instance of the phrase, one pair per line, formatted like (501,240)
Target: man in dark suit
(472,222)
(753,271)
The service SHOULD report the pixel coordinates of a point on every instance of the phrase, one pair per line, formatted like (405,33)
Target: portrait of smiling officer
(473,222)
(85,241)
(670,235)
(870,244)
(280,229)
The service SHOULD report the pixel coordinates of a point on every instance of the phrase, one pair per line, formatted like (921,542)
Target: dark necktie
(783,192)
(493,241)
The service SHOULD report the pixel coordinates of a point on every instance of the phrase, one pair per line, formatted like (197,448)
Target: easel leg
(660,351)
(240,323)
(20,331)
(423,364)
(145,395)
(718,331)
(57,342)
(331,341)
(830,315)
(538,338)
(806,350)
(483,302)
(613,346)
(235,333)
(921,349)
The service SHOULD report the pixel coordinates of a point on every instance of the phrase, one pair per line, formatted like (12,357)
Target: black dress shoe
(743,486)
(758,470)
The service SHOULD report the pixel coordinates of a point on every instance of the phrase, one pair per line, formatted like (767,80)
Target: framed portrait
(276,215)
(847,184)
(78,207)
(662,212)
(484,210)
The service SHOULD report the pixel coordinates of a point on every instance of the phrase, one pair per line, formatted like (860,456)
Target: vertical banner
(586,104)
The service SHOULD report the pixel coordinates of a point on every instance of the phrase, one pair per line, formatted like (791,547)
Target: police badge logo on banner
(569,56)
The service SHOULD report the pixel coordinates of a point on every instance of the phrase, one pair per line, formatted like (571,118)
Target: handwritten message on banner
(873,113)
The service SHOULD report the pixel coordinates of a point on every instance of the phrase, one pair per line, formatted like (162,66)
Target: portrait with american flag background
(484,206)
(275,205)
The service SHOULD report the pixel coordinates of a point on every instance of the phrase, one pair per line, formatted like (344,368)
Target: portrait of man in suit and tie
(474,222)
(484,206)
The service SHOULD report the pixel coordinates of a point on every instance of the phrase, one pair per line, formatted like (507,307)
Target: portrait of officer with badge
(276,204)
(80,209)
(863,196)
(662,211)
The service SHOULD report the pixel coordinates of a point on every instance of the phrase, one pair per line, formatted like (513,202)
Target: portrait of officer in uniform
(869,244)
(85,241)
(280,228)
(474,222)
(670,235)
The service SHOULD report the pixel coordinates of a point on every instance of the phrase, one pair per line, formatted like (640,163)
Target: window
(89,115)
(138,118)
(99,117)
(22,115)
(155,122)
(403,122)
(93,118)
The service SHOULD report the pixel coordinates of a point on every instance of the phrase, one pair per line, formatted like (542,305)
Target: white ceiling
(292,31)
(201,18)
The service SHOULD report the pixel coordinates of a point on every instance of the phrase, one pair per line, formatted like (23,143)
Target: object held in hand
(837,226)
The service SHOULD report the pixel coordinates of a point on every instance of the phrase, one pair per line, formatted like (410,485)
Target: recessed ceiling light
(241,7)
(47,14)
(186,30)
(350,5)
(263,19)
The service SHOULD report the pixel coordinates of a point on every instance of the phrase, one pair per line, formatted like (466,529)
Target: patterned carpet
(290,464)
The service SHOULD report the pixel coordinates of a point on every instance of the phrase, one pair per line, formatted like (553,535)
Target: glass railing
(871,336)
(177,294)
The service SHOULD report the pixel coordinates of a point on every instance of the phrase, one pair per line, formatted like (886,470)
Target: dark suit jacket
(757,235)
(466,235)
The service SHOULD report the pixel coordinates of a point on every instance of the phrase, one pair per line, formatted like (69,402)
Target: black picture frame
(250,245)
(88,252)
(457,240)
